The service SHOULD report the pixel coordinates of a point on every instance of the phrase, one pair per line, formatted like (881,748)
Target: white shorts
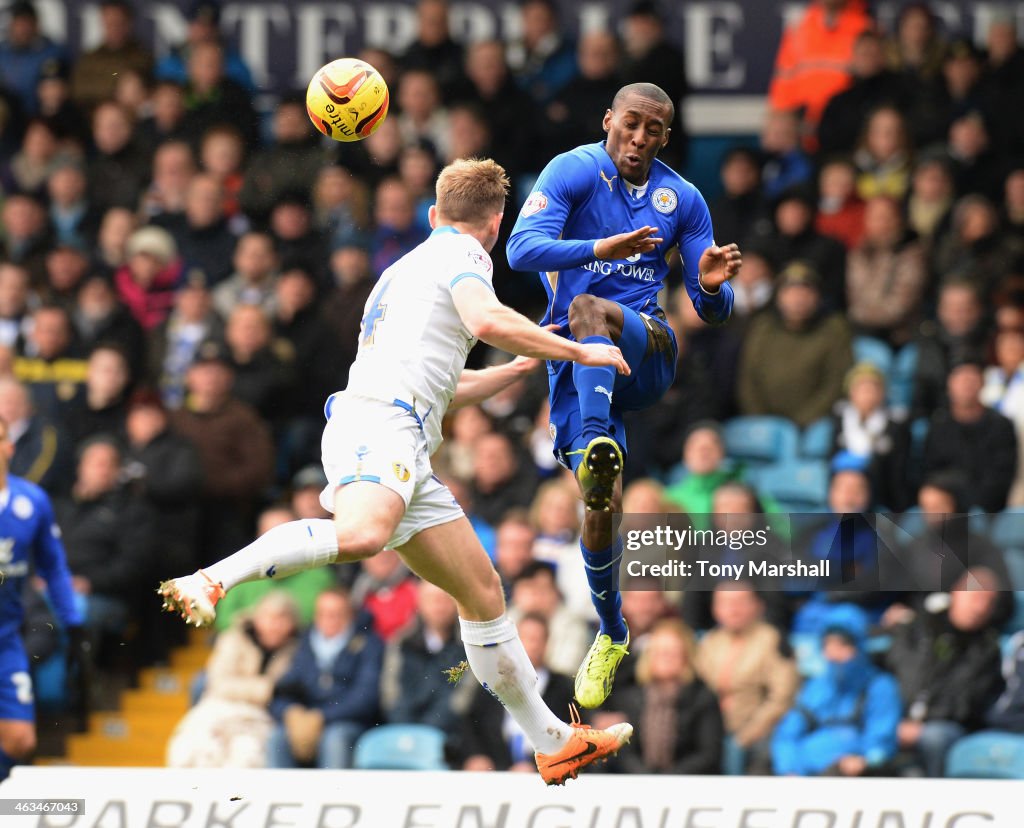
(381,443)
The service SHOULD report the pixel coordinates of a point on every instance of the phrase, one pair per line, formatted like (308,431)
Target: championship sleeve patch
(534,204)
(481,260)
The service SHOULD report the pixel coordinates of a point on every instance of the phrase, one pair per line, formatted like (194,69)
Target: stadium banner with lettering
(204,798)
(729,44)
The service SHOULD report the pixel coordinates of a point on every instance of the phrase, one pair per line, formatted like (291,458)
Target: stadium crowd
(182,280)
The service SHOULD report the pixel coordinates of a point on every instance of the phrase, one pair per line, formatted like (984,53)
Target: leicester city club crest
(664,200)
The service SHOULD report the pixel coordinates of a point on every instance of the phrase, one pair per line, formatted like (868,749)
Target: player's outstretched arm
(499,325)
(476,386)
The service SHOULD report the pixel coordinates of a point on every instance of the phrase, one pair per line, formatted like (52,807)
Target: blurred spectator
(1007,714)
(263,380)
(55,105)
(211,97)
(796,239)
(385,590)
(174,168)
(938,557)
(1004,68)
(576,114)
(742,210)
(490,739)
(252,282)
(886,275)
(647,54)
(291,162)
(917,50)
(930,200)
(1012,212)
(73,217)
(705,469)
(103,405)
(66,267)
(42,451)
(30,167)
(1004,393)
(469,137)
(794,359)
(163,471)
(958,328)
(95,73)
(116,228)
(203,17)
(202,233)
(644,605)
(864,427)
(331,692)
(222,155)
(534,592)
(501,480)
(543,60)
(969,437)
(108,536)
(814,57)
(513,546)
(26,237)
(423,116)
(679,726)
(947,663)
(353,280)
(883,154)
(51,365)
(414,689)
(505,105)
(230,725)
(873,85)
(24,53)
(975,250)
(341,204)
(173,343)
(165,121)
(433,50)
(840,209)
(234,448)
(147,283)
(296,240)
(555,516)
(15,319)
(844,722)
(306,486)
(418,165)
(119,168)
(745,662)
(785,163)
(976,166)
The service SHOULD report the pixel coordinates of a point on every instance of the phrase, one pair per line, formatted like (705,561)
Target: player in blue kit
(600,225)
(29,544)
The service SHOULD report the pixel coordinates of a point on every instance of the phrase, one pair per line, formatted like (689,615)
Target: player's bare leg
(450,556)
(366,515)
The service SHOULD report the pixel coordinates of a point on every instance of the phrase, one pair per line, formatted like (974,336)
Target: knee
(359,542)
(18,742)
(585,314)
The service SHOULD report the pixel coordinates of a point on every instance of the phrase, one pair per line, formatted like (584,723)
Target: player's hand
(852,765)
(597,354)
(523,365)
(624,245)
(718,265)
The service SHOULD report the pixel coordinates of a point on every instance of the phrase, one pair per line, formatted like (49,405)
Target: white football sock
(284,550)
(500,664)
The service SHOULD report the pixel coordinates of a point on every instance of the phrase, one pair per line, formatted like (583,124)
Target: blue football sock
(594,386)
(603,575)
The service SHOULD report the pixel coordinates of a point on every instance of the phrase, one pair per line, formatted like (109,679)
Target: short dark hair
(651,92)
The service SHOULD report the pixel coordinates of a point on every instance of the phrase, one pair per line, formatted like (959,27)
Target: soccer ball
(347,99)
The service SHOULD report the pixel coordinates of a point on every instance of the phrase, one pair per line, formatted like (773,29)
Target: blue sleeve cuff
(470,275)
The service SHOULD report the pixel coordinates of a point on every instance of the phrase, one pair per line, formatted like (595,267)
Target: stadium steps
(136,733)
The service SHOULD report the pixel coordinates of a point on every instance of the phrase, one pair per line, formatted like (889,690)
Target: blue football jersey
(30,543)
(580,198)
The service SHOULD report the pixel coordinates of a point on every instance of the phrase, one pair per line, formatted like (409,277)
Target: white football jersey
(412,342)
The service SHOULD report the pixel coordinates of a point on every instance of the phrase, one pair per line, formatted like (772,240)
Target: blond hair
(676,628)
(471,190)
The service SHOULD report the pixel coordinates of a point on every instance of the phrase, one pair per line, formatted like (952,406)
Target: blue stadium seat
(1015,565)
(796,484)
(875,351)
(401,747)
(816,440)
(901,377)
(1007,530)
(990,754)
(760,440)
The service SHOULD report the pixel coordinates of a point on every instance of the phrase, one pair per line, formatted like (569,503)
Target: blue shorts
(650,348)
(16,698)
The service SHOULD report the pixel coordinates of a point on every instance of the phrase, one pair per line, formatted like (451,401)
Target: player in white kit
(419,325)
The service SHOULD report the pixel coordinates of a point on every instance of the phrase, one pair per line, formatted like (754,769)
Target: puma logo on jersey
(607,180)
(600,389)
